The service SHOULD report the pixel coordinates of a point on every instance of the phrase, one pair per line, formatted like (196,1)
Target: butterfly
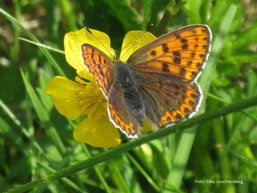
(158,81)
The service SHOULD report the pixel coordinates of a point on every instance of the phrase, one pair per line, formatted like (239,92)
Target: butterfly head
(124,74)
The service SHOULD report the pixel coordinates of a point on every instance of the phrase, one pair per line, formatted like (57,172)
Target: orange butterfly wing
(179,55)
(167,68)
(99,65)
(169,102)
(119,114)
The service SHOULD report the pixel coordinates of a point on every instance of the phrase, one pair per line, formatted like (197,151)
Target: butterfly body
(157,83)
(131,97)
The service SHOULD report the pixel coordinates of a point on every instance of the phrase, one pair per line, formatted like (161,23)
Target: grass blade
(32,37)
(235,107)
(187,138)
(43,115)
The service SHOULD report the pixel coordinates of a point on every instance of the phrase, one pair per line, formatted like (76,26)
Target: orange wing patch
(179,55)
(99,65)
(128,128)
(185,109)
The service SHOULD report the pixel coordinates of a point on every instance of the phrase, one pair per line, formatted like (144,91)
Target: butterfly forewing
(178,56)
(166,70)
(99,65)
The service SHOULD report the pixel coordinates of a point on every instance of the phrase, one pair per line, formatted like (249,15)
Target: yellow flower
(74,98)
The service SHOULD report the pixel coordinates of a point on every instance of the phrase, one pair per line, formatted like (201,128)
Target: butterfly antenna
(139,37)
(97,39)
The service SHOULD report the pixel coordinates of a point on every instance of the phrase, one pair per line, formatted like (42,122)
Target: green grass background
(37,151)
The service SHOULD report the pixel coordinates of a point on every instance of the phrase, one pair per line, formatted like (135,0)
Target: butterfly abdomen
(134,103)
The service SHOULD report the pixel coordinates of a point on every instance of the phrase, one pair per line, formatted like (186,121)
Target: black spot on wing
(194,96)
(186,110)
(153,53)
(176,53)
(182,72)
(183,40)
(176,57)
(165,67)
(185,46)
(178,36)
(205,47)
(204,30)
(189,63)
(178,116)
(165,48)
(192,54)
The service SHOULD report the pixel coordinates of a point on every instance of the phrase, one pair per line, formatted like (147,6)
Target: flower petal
(74,40)
(129,46)
(147,126)
(85,75)
(92,99)
(97,133)
(66,96)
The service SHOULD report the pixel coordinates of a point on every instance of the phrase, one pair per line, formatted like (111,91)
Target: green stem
(43,114)
(144,173)
(235,107)
(68,14)
(123,185)
(42,45)
(172,9)
(163,23)
(97,171)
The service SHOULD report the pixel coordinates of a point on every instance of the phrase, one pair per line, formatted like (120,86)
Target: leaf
(147,7)
(243,56)
(43,114)
(192,10)
(128,16)
(246,38)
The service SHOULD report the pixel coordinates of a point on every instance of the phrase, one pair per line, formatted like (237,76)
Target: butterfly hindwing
(119,114)
(168,102)
(179,55)
(99,65)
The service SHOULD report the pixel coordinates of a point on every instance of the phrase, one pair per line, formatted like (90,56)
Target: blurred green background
(35,140)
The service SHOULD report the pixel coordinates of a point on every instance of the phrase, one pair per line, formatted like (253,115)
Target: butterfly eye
(126,81)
